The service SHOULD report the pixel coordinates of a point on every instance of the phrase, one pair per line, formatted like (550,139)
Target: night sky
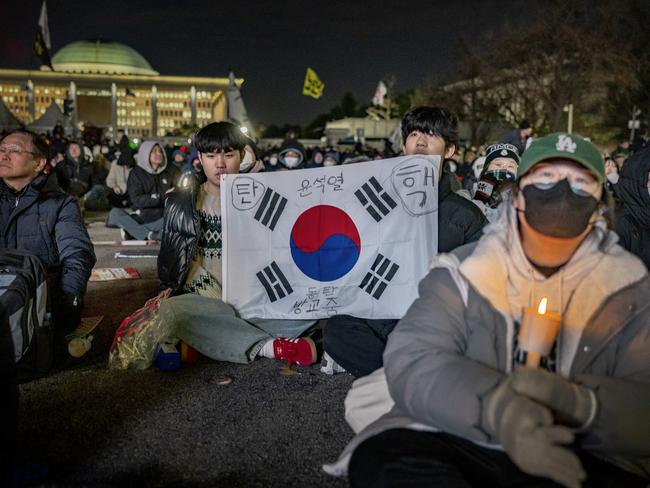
(351,45)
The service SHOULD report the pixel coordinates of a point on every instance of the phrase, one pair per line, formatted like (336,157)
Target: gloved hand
(66,312)
(574,405)
(528,435)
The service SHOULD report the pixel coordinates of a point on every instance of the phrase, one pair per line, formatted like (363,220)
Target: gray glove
(573,405)
(528,435)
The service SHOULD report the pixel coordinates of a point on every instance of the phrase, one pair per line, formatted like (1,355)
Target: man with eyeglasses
(37,217)
(475,402)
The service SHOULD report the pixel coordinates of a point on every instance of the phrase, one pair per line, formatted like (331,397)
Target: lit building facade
(110,85)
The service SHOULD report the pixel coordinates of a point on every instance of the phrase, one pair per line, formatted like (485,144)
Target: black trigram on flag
(376,201)
(274,282)
(270,208)
(376,280)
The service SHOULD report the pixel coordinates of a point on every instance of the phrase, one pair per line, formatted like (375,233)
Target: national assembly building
(111,86)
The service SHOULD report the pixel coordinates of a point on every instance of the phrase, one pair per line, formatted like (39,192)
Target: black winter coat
(76,177)
(46,222)
(180,234)
(147,191)
(459,220)
(633,213)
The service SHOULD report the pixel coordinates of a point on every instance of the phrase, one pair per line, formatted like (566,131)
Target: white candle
(538,331)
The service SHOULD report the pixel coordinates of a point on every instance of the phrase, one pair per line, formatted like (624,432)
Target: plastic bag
(138,336)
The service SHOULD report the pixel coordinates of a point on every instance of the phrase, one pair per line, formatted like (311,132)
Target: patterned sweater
(204,277)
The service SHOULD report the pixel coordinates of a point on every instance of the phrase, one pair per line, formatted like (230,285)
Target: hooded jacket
(44,221)
(454,345)
(295,146)
(459,220)
(312,161)
(146,187)
(633,216)
(76,176)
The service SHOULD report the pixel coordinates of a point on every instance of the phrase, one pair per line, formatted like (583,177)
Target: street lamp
(569,108)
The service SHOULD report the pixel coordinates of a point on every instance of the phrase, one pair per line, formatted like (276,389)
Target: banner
(307,244)
(312,87)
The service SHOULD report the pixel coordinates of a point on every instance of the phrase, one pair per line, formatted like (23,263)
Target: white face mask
(613,178)
(329,162)
(452,166)
(247,163)
(273,161)
(291,161)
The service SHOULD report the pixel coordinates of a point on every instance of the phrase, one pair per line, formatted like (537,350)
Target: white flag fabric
(380,94)
(353,239)
(236,108)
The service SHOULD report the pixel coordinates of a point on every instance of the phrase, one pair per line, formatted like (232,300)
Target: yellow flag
(313,86)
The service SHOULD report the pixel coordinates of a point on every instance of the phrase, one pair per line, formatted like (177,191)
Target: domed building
(111,85)
(101,57)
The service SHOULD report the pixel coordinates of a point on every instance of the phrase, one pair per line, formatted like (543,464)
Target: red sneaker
(301,351)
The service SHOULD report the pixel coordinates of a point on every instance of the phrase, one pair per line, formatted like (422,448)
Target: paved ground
(91,426)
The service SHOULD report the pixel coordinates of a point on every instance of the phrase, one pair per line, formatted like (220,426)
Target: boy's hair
(219,137)
(39,144)
(431,120)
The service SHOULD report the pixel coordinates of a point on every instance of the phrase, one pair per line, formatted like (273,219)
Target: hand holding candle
(537,333)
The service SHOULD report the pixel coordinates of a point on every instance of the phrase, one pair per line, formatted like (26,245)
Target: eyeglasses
(547,176)
(13,150)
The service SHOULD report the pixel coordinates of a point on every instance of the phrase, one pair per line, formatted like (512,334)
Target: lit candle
(537,333)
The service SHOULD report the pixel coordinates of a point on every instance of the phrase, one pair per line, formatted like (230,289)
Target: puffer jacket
(633,214)
(46,222)
(180,234)
(76,177)
(459,220)
(453,347)
(146,187)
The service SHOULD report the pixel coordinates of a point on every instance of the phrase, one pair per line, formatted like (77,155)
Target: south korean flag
(313,243)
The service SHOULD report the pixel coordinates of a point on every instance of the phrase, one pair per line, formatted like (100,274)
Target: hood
(335,155)
(500,272)
(143,157)
(632,187)
(312,160)
(69,157)
(292,145)
(178,151)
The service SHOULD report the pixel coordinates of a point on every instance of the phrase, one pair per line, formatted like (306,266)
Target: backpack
(23,296)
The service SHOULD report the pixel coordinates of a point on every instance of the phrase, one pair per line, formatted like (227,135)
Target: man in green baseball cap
(560,183)
(525,355)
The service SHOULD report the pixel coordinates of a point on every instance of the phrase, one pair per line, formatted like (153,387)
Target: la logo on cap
(565,143)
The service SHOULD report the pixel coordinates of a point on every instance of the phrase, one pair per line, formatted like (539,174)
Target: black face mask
(558,211)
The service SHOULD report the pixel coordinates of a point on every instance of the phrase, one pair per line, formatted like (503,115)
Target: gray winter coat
(452,349)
